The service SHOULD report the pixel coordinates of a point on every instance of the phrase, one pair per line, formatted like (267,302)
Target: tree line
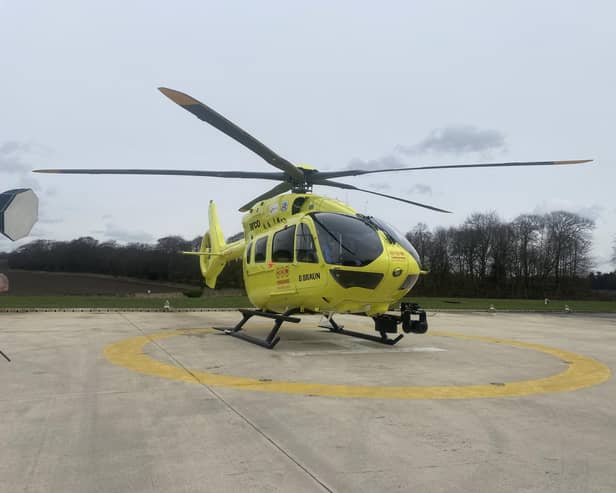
(535,255)
(161,261)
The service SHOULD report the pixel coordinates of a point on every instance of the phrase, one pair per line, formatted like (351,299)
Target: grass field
(120,302)
(515,304)
(29,283)
(29,289)
(436,303)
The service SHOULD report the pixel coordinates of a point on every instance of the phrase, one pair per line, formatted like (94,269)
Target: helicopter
(306,253)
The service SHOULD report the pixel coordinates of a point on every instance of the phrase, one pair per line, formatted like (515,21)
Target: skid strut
(272,338)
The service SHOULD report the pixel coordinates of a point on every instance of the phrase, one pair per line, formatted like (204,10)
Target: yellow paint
(179,97)
(263,287)
(581,372)
(574,161)
(215,252)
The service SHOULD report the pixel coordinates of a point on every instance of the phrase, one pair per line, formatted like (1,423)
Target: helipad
(159,402)
(581,372)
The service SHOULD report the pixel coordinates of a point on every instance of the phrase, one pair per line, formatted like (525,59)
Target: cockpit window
(346,240)
(396,236)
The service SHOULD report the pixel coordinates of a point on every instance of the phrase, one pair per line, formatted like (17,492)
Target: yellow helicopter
(304,253)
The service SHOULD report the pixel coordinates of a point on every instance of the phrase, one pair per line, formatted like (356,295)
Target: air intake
(356,279)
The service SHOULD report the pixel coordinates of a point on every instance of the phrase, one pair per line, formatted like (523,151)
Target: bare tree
(526,242)
(481,229)
(533,255)
(569,238)
(421,238)
(503,257)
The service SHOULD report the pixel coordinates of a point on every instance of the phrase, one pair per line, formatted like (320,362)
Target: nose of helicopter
(404,271)
(375,288)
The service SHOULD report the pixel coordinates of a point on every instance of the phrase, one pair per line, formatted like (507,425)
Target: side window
(305,250)
(260,249)
(282,245)
(248,252)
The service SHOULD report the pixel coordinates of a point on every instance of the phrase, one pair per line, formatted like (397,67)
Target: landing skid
(382,339)
(272,338)
(412,318)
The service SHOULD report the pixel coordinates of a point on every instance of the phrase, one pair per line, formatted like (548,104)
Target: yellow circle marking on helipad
(581,372)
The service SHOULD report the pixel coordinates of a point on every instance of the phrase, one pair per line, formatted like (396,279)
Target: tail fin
(215,252)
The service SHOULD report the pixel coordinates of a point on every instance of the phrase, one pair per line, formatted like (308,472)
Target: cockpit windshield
(346,240)
(396,236)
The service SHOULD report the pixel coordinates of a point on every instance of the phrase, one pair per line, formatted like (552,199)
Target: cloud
(27,181)
(51,191)
(39,233)
(49,220)
(389,161)
(455,139)
(592,211)
(12,161)
(458,139)
(11,153)
(420,189)
(113,232)
(379,186)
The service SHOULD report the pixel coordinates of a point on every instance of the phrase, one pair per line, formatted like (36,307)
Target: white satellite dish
(18,213)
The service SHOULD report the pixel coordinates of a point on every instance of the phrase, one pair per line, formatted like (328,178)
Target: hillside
(32,283)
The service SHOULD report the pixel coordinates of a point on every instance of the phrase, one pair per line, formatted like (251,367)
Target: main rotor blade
(356,172)
(215,119)
(180,172)
(277,190)
(329,183)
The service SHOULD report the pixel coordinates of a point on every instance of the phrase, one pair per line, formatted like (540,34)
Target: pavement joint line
(43,439)
(580,372)
(229,406)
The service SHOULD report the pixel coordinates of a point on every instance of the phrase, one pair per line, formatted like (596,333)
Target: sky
(329,84)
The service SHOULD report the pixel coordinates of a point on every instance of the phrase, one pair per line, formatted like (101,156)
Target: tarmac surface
(159,402)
